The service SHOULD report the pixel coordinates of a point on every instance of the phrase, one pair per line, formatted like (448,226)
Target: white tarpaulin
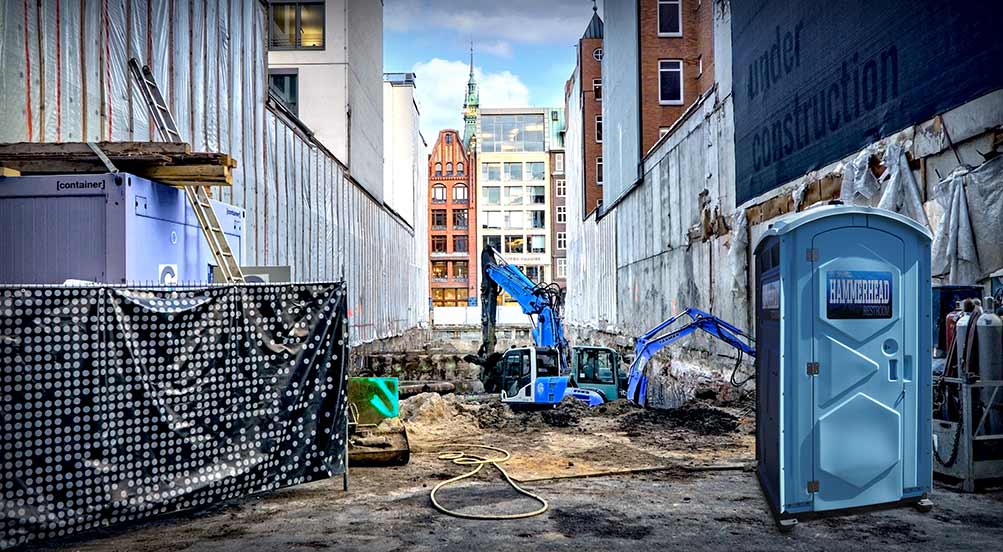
(969,242)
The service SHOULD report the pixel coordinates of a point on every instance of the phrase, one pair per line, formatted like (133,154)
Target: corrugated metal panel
(302,209)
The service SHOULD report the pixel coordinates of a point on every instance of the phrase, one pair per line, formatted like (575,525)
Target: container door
(858,390)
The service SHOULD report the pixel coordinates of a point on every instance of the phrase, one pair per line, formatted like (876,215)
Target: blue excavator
(541,375)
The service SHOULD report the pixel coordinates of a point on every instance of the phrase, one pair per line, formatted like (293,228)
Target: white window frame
(597,54)
(559,163)
(561,187)
(598,129)
(562,213)
(682,91)
(658,16)
(562,240)
(597,85)
(599,170)
(562,267)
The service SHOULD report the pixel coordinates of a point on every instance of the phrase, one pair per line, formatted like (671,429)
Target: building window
(599,170)
(662,131)
(670,18)
(553,115)
(670,82)
(515,244)
(512,133)
(459,169)
(562,267)
(460,244)
(513,171)
(449,169)
(536,170)
(700,66)
(537,244)
(460,193)
(538,219)
(491,172)
(438,244)
(599,128)
(562,213)
(440,270)
(492,195)
(449,138)
(284,84)
(460,219)
(438,169)
(493,242)
(438,219)
(493,219)
(597,88)
(558,163)
(537,195)
(461,270)
(296,25)
(562,240)
(439,193)
(515,220)
(597,54)
(513,195)
(561,187)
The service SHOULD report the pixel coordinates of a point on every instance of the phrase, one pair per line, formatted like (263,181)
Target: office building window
(670,82)
(562,268)
(538,219)
(562,240)
(562,213)
(284,84)
(599,128)
(511,133)
(491,172)
(597,54)
(534,273)
(439,193)
(461,270)
(537,244)
(670,18)
(513,195)
(513,171)
(561,187)
(515,220)
(536,171)
(459,219)
(296,25)
(492,195)
(438,219)
(493,241)
(440,270)
(558,163)
(460,244)
(599,170)
(537,195)
(438,244)
(460,193)
(493,219)
(515,244)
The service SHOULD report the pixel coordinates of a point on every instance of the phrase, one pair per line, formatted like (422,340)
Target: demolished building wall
(66,79)
(680,239)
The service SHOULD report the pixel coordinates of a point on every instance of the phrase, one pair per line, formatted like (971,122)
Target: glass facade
(511,133)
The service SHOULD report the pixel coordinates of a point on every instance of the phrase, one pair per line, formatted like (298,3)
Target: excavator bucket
(377,436)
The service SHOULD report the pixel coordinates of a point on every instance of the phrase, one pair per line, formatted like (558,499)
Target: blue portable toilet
(843,364)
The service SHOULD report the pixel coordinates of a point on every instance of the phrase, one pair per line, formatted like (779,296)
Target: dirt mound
(613,408)
(434,417)
(569,412)
(693,416)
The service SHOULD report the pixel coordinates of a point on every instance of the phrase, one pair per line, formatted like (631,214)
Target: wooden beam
(111,149)
(7,171)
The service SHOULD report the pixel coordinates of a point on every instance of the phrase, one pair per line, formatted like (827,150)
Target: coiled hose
(462,458)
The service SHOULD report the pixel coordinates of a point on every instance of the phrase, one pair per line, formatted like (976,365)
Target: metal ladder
(198,196)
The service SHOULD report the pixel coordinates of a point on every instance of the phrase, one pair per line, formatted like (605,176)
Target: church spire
(471,105)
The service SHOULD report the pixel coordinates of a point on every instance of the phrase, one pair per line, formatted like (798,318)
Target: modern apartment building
(513,186)
(452,222)
(657,61)
(324,64)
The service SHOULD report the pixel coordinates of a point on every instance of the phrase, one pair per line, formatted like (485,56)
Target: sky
(524,52)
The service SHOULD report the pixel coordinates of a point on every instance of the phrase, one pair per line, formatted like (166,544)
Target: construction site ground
(687,506)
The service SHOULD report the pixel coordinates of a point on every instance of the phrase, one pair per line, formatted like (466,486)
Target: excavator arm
(664,334)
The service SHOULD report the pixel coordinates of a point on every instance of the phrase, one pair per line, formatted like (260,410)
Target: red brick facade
(695,48)
(591,70)
(453,271)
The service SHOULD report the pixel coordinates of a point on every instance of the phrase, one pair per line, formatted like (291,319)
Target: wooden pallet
(169,163)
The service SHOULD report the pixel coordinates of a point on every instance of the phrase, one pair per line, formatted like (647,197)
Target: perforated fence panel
(120,403)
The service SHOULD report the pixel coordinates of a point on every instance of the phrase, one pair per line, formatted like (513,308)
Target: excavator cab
(599,369)
(530,376)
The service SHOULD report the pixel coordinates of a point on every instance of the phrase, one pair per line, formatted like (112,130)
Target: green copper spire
(471,106)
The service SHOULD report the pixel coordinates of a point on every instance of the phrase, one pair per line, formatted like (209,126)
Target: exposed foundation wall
(66,79)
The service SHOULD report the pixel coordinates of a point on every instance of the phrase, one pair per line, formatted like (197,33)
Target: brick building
(452,218)
(590,54)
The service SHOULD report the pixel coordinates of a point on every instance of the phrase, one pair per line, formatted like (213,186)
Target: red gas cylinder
(950,326)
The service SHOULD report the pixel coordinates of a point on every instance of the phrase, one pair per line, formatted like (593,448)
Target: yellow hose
(462,458)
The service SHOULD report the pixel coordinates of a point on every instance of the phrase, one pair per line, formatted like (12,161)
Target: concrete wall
(621,120)
(404,164)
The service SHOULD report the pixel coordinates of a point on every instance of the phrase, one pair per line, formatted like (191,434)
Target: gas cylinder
(961,334)
(951,323)
(989,333)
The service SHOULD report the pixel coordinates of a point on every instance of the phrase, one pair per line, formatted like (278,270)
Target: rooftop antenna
(594,8)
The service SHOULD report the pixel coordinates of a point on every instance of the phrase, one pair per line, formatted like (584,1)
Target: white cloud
(497,48)
(554,21)
(442,85)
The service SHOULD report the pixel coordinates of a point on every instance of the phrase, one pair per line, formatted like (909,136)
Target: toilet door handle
(893,369)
